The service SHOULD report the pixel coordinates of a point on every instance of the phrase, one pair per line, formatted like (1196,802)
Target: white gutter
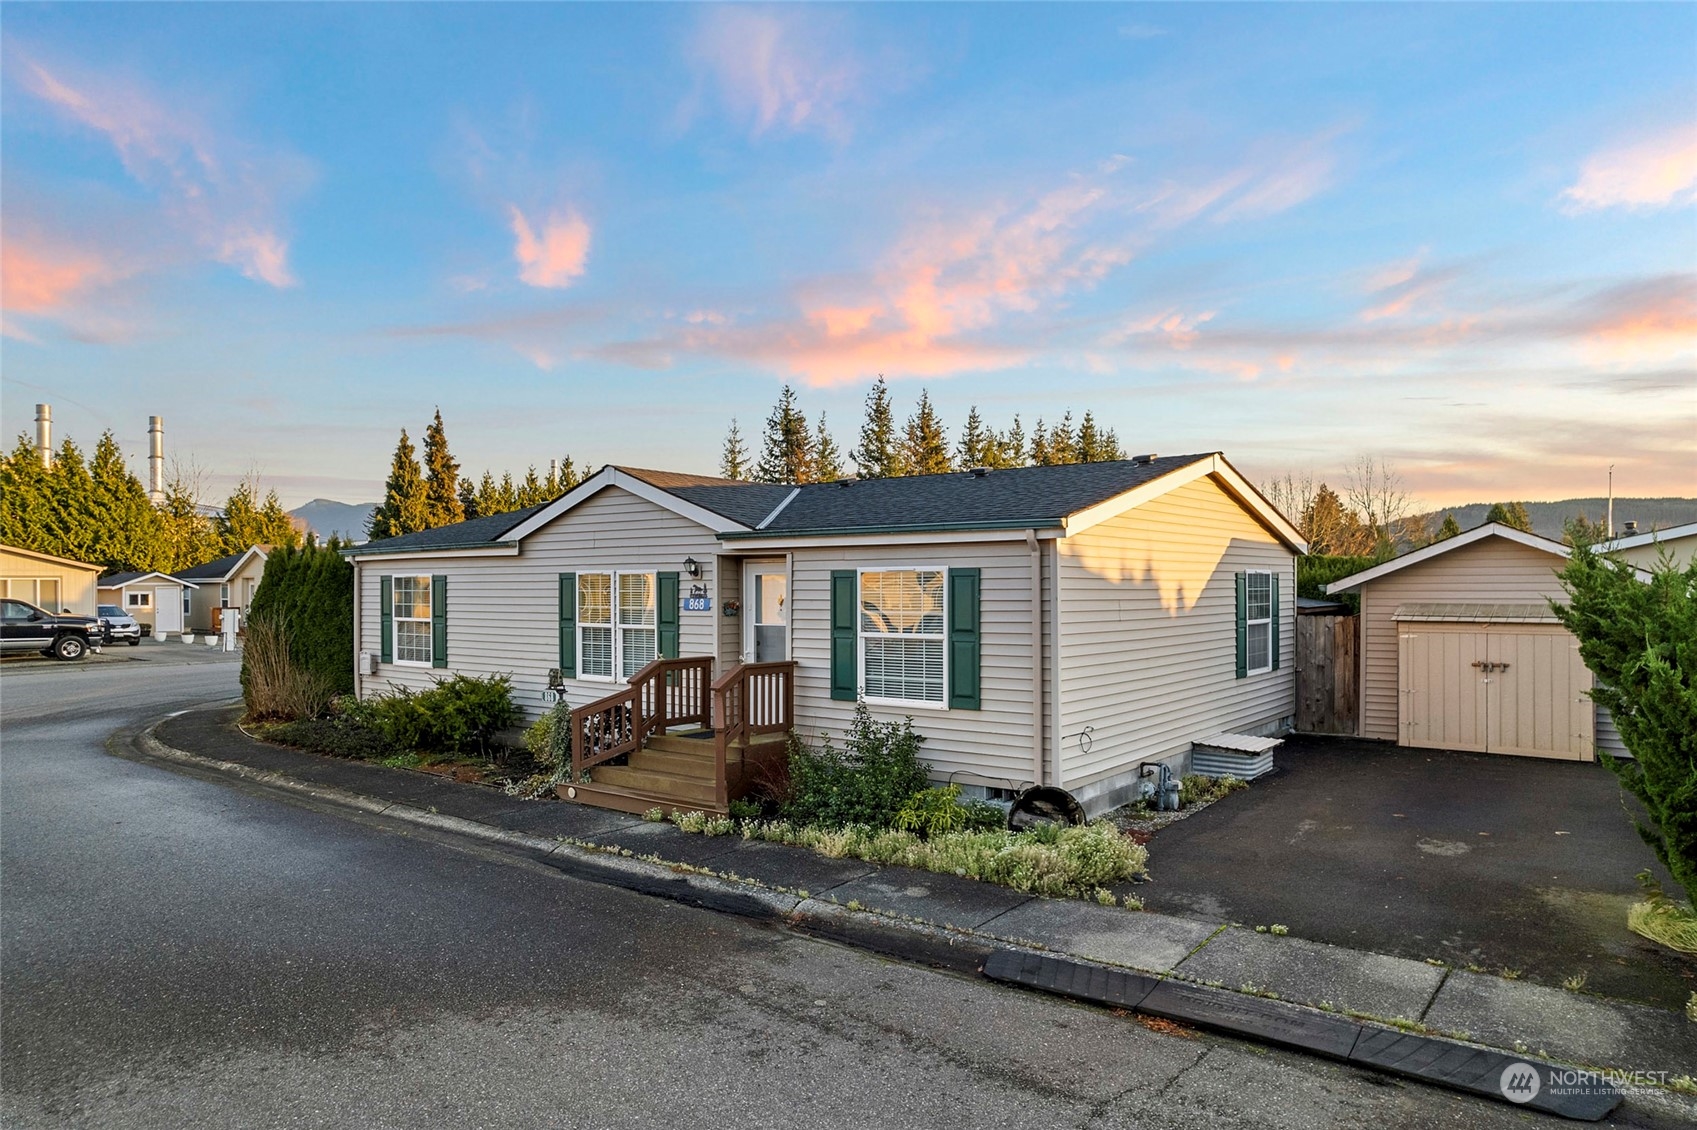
(1036,548)
(359,675)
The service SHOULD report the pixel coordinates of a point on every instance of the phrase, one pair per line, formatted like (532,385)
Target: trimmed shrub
(868,782)
(457,715)
(335,735)
(1317,570)
(310,592)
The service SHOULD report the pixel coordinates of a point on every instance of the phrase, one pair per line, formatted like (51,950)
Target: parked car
(121,627)
(24,627)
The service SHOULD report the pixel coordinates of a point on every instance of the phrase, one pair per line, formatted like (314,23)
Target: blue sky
(1459,238)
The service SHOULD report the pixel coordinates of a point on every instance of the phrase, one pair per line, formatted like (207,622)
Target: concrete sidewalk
(1397,993)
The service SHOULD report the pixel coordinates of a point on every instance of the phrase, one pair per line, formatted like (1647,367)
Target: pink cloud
(1656,172)
(555,258)
(37,281)
(225,194)
(778,70)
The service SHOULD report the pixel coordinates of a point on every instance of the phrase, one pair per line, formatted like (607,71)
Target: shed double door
(1495,688)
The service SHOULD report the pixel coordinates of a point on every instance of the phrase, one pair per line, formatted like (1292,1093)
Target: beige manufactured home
(221,585)
(1057,625)
(1460,650)
(54,583)
(1646,550)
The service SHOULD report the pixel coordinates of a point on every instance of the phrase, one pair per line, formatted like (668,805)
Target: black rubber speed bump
(1240,1014)
(1117,988)
(1570,1093)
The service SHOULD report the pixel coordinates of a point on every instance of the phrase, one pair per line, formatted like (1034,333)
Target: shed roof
(220,568)
(1477,613)
(1672,533)
(51,559)
(119,580)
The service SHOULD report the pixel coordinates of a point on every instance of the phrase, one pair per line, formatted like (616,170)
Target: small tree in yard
(1640,641)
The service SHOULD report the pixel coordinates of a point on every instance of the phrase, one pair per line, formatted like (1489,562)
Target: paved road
(185,952)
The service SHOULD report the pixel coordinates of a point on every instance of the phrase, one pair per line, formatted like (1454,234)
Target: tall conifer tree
(405,508)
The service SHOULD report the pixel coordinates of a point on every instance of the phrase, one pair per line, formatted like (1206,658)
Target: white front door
(167,611)
(765,602)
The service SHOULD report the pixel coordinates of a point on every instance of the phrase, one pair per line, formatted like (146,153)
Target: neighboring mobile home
(46,581)
(1060,625)
(220,585)
(1645,550)
(157,601)
(1460,650)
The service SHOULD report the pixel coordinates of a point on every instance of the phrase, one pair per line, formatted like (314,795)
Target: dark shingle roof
(114,580)
(460,535)
(743,503)
(212,570)
(1018,496)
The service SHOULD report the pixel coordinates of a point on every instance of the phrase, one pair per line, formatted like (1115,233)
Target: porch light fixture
(692,567)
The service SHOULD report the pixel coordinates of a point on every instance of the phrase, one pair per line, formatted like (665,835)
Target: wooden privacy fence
(1327,669)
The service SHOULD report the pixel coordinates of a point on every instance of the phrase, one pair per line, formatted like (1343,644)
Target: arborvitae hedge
(311,591)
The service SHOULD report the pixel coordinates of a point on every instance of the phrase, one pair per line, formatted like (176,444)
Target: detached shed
(46,581)
(1460,649)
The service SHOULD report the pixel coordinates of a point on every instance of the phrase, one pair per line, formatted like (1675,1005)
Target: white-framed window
(616,631)
(47,593)
(411,607)
(188,605)
(223,596)
(138,599)
(1258,621)
(903,646)
(43,592)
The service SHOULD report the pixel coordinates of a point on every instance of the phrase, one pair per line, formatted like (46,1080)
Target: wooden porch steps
(631,800)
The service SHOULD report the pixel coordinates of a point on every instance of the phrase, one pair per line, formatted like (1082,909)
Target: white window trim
(188,604)
(395,621)
(861,636)
(616,664)
(1249,621)
(140,598)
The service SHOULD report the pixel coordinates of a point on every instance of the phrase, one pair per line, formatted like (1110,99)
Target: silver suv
(121,627)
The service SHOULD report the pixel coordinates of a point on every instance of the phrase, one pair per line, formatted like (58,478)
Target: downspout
(359,675)
(1056,778)
(1036,549)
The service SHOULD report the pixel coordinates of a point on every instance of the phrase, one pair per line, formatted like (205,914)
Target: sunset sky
(1461,238)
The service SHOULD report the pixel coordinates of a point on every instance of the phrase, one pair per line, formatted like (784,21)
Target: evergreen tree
(787,455)
(405,508)
(562,477)
(827,460)
(925,445)
(733,461)
(1063,445)
(1042,449)
(1095,444)
(879,455)
(1512,514)
(1640,640)
(977,446)
(187,537)
(1449,529)
(441,477)
(468,498)
(248,522)
(1011,446)
(1580,530)
(531,491)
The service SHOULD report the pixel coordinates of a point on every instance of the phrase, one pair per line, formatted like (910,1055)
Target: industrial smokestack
(44,433)
(156,459)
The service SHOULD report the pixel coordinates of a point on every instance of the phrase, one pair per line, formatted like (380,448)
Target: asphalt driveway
(1499,862)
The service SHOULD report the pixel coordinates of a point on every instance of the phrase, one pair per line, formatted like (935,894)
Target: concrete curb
(1429,1058)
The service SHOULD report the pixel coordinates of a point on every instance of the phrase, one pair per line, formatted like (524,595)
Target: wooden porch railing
(666,693)
(748,700)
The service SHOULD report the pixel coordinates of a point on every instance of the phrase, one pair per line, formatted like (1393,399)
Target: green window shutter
(1242,625)
(666,614)
(568,625)
(845,597)
(386,598)
(1274,625)
(963,611)
(438,621)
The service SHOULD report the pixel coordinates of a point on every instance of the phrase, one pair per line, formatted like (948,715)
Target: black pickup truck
(24,627)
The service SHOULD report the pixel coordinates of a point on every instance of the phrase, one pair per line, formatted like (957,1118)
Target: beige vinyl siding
(1493,570)
(503,612)
(22,571)
(992,745)
(1648,556)
(202,601)
(253,571)
(1149,631)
